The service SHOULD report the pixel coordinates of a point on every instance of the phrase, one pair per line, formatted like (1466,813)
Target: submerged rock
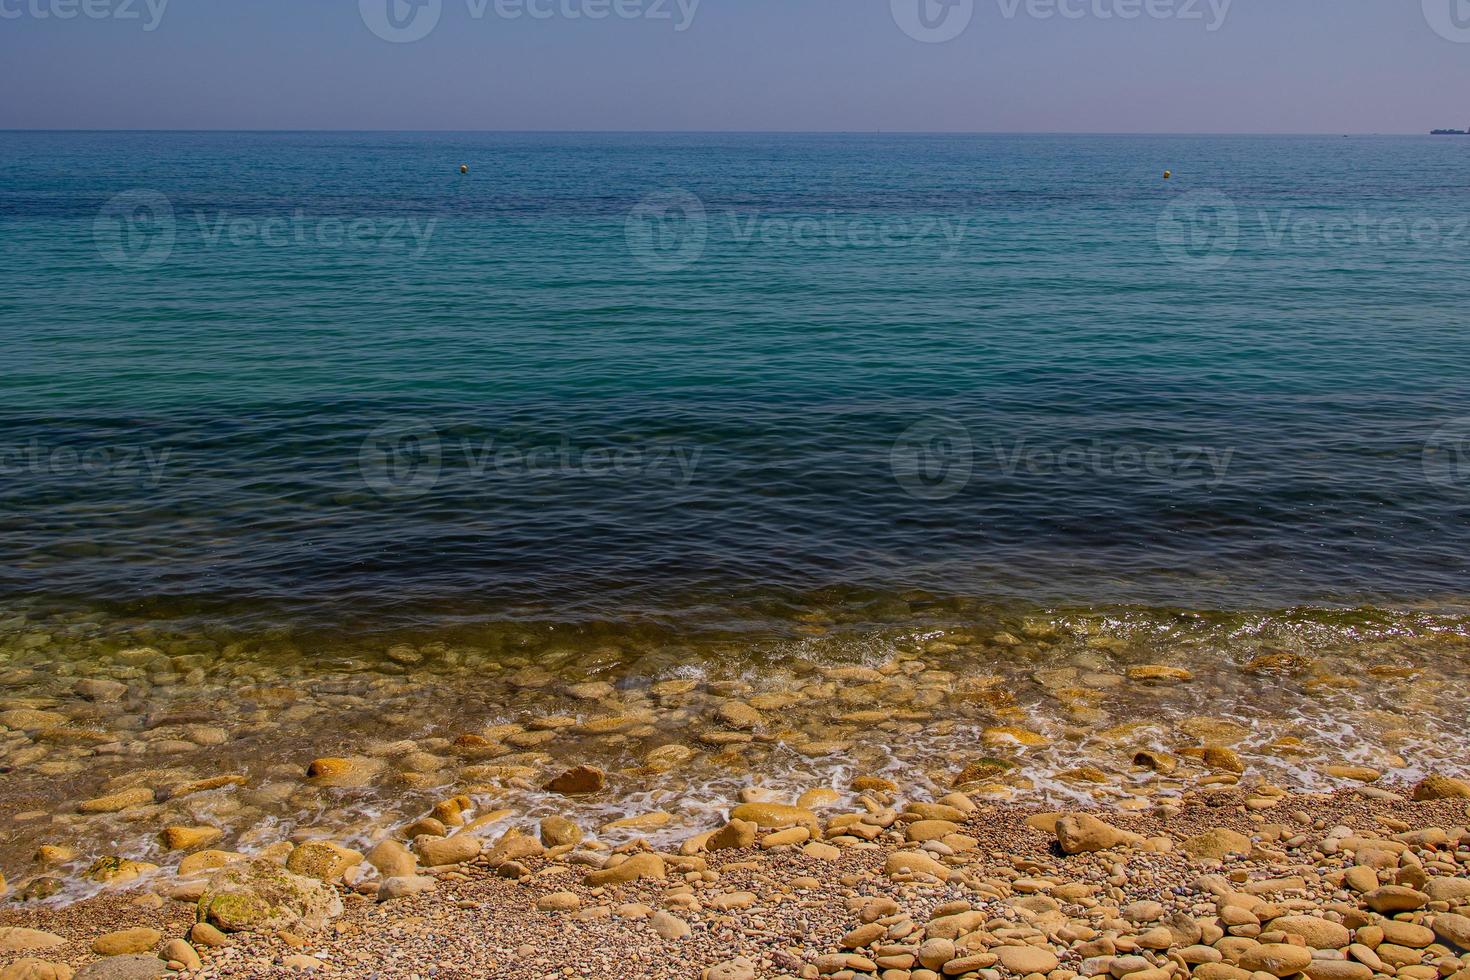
(322,860)
(578,781)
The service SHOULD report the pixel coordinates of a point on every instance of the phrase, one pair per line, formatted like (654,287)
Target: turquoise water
(327,378)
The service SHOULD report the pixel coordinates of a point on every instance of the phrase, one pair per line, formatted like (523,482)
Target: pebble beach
(1041,797)
(1223,885)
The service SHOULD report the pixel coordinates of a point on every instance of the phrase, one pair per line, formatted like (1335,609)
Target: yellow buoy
(1168,174)
(464,168)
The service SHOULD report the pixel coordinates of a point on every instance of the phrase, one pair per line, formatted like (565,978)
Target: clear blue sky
(1351,66)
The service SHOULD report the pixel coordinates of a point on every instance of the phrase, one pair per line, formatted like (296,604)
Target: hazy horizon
(1125,67)
(710,132)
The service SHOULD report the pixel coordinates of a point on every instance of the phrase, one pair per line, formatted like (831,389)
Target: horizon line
(709,132)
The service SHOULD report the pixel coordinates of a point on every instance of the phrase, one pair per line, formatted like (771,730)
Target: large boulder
(34,969)
(775,816)
(1082,833)
(28,940)
(513,845)
(1437,787)
(1316,932)
(579,781)
(136,966)
(636,868)
(437,852)
(1453,929)
(1214,844)
(735,835)
(258,896)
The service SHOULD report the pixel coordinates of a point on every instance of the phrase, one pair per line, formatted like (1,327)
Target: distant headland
(1449,132)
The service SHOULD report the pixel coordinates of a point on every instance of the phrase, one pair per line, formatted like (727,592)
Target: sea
(313,377)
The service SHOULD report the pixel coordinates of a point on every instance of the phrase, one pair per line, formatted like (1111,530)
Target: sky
(1125,66)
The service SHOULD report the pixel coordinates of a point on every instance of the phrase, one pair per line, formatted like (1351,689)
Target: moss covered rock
(258,896)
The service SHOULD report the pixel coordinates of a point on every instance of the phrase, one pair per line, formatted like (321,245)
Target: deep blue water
(328,376)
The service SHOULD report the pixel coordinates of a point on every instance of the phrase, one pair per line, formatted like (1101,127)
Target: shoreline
(1216,885)
(108,748)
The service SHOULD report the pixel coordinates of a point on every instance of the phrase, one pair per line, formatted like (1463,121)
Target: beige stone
(201,861)
(775,816)
(1337,970)
(127,941)
(1318,933)
(558,902)
(15,940)
(578,781)
(1453,928)
(437,852)
(119,801)
(911,862)
(1392,899)
(1081,833)
(789,837)
(179,951)
(560,832)
(735,835)
(204,934)
(34,969)
(668,926)
(393,860)
(189,838)
(1026,959)
(323,860)
(1277,959)
(1216,844)
(636,868)
(1436,787)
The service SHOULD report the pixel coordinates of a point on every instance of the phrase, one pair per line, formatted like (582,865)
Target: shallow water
(1049,703)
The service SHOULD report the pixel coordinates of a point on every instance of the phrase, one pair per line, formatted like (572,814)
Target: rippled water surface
(306,372)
